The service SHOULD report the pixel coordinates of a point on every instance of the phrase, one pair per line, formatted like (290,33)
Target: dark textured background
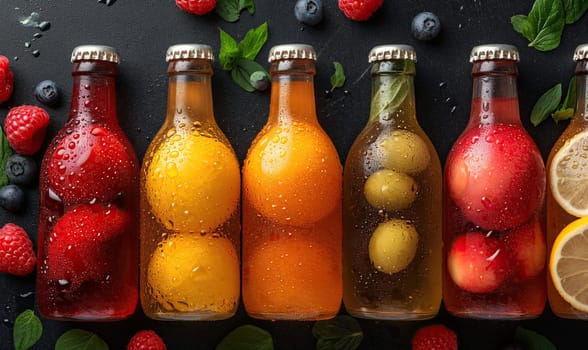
(143,29)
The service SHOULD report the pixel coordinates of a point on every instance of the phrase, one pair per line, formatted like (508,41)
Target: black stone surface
(143,29)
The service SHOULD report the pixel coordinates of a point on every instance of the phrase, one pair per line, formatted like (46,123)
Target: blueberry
(259,80)
(21,170)
(46,92)
(309,11)
(425,26)
(12,198)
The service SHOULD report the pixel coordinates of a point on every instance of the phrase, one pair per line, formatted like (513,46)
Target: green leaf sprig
(78,339)
(247,337)
(550,104)
(338,78)
(545,23)
(340,333)
(27,330)
(5,153)
(230,10)
(238,58)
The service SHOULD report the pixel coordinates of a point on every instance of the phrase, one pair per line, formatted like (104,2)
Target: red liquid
(495,181)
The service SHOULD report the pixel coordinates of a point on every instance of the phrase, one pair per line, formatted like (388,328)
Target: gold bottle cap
(494,52)
(392,52)
(581,52)
(96,53)
(291,52)
(188,51)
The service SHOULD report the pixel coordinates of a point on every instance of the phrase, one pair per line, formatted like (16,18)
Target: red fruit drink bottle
(494,201)
(88,232)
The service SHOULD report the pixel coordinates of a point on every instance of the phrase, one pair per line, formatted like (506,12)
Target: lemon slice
(568,264)
(569,175)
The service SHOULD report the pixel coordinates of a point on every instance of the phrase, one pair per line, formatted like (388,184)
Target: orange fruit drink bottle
(292,179)
(494,234)
(392,217)
(567,201)
(88,203)
(190,196)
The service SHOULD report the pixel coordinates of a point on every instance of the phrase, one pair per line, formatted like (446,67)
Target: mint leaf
(253,41)
(242,72)
(5,153)
(546,104)
(27,330)
(340,333)
(567,108)
(533,340)
(78,339)
(230,10)
(229,50)
(574,9)
(247,337)
(543,26)
(390,95)
(338,78)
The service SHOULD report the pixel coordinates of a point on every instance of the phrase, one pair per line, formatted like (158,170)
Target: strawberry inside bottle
(494,238)
(88,211)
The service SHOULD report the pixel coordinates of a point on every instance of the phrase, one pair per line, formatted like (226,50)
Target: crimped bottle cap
(494,52)
(581,52)
(188,51)
(392,52)
(291,52)
(96,53)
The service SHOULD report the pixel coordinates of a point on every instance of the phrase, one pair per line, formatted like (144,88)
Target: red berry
(25,128)
(434,337)
(90,164)
(478,263)
(359,10)
(83,242)
(197,7)
(528,250)
(495,175)
(146,340)
(6,80)
(16,251)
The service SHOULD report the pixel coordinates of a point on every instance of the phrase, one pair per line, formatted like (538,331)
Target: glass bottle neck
(292,91)
(392,100)
(494,96)
(190,91)
(94,91)
(581,109)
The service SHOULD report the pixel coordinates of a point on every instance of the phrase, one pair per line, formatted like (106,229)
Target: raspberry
(6,80)
(83,242)
(90,164)
(16,251)
(197,7)
(359,10)
(434,337)
(25,128)
(146,340)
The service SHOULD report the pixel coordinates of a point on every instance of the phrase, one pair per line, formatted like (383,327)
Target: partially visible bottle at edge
(88,216)
(392,217)
(566,202)
(494,231)
(190,192)
(292,180)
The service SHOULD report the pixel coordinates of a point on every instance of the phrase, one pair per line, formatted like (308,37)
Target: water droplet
(44,26)
(36,53)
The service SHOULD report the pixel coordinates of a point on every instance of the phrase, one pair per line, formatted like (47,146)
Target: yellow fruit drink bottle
(566,197)
(494,240)
(190,192)
(292,202)
(392,217)
(88,215)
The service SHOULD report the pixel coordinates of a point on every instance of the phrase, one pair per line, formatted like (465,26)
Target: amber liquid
(292,262)
(513,299)
(557,219)
(414,292)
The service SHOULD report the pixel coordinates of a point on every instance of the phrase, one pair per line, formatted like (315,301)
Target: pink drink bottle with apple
(495,251)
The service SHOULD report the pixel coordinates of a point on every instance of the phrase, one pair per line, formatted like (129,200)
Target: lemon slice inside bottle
(569,175)
(568,264)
